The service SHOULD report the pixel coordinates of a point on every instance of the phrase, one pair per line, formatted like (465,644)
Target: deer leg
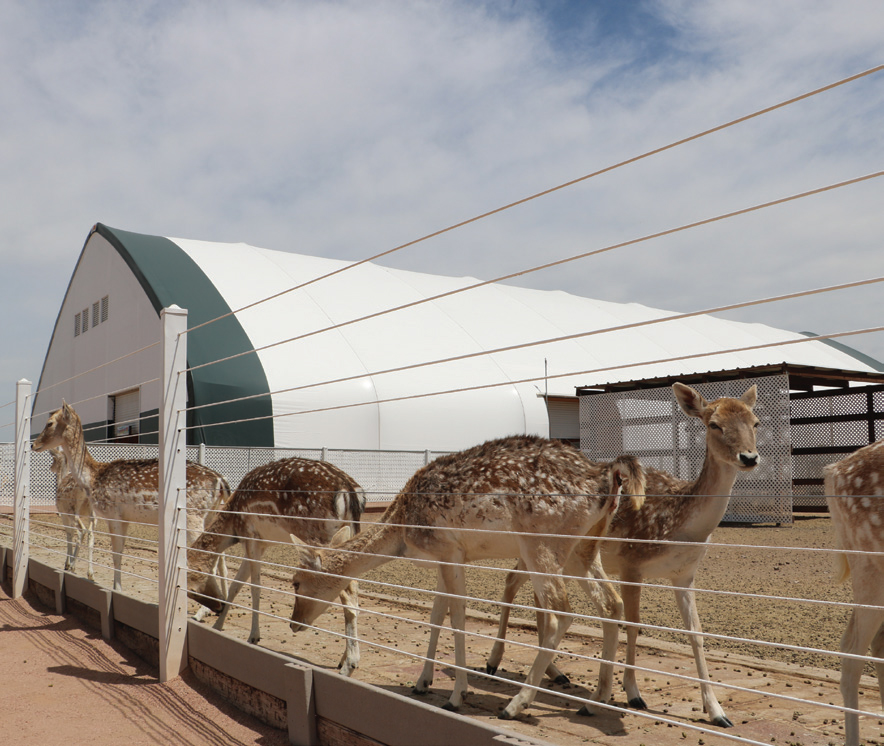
(118,531)
(350,599)
(514,581)
(437,616)
(632,614)
(687,605)
(244,569)
(70,558)
(607,601)
(90,546)
(862,628)
(552,670)
(255,633)
(220,570)
(878,652)
(550,589)
(455,584)
(79,533)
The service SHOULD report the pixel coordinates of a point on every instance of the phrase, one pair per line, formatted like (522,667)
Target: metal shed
(809,417)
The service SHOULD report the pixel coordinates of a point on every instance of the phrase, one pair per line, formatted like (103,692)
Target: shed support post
(22,479)
(173,496)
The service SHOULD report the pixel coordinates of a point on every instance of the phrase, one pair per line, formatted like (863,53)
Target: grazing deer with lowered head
(675,510)
(127,490)
(854,490)
(521,496)
(290,498)
(75,511)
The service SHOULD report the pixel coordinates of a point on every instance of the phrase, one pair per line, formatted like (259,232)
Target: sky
(344,129)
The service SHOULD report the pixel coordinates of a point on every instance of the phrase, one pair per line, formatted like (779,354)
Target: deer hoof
(638,704)
(562,680)
(450,707)
(585,711)
(722,721)
(490,670)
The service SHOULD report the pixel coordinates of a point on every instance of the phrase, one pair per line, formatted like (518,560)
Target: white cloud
(347,128)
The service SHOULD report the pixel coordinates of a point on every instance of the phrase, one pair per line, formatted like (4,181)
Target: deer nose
(749,459)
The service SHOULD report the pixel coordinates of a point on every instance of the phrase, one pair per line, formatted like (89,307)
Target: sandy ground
(780,693)
(63,684)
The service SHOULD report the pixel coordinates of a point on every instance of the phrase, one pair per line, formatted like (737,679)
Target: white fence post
(22,500)
(173,496)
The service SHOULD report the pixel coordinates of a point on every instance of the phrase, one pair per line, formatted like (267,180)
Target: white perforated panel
(649,424)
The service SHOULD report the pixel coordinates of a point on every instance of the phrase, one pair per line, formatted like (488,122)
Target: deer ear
(66,410)
(750,397)
(342,535)
(691,401)
(307,555)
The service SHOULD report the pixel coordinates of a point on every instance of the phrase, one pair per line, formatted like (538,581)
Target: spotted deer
(854,490)
(127,490)
(521,496)
(291,498)
(75,512)
(675,510)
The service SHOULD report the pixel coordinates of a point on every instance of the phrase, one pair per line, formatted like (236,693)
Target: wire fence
(771,604)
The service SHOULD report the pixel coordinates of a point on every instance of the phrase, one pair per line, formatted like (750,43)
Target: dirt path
(63,684)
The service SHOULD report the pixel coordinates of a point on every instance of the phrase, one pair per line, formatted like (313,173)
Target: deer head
(53,434)
(314,588)
(205,590)
(730,425)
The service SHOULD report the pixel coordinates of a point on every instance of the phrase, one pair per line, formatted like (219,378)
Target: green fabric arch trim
(169,276)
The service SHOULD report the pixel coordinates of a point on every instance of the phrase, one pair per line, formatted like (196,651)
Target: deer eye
(714,426)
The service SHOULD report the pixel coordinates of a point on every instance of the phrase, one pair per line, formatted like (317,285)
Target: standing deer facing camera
(75,511)
(127,490)
(674,510)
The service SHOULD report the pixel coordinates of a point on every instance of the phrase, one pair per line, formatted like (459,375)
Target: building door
(126,408)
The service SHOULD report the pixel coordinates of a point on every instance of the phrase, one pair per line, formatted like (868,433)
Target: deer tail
(628,475)
(357,507)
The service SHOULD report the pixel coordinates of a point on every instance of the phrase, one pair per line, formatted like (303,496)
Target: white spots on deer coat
(310,499)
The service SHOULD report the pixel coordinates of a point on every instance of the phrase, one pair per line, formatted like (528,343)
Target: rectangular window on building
(95,314)
(105,307)
(77,325)
(85,323)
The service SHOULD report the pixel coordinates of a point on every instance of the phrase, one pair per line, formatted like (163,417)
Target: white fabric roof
(490,317)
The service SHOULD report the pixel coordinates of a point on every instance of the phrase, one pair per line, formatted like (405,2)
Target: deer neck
(217,538)
(712,490)
(81,465)
(716,479)
(374,546)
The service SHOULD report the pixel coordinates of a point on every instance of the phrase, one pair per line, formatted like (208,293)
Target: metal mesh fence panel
(649,424)
(381,473)
(826,426)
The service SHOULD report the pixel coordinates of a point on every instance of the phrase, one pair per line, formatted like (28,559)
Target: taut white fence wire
(381,473)
(746,612)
